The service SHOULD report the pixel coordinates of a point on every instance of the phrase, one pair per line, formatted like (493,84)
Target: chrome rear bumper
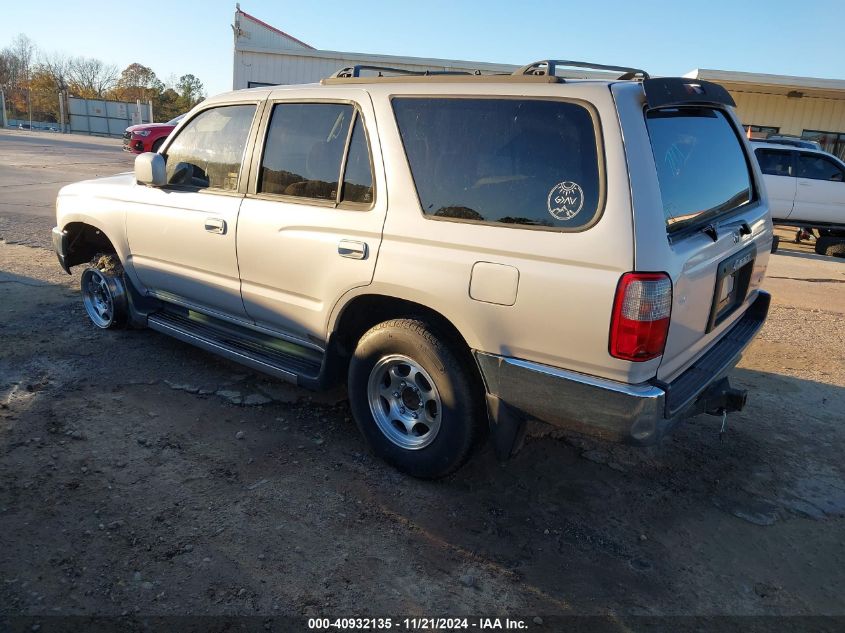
(638,414)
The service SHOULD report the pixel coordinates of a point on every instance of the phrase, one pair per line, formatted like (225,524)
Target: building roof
(777,84)
(272,28)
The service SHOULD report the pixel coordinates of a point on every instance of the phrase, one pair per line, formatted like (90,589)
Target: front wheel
(104,294)
(418,405)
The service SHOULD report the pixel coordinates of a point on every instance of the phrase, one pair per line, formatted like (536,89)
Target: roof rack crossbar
(549,67)
(355,71)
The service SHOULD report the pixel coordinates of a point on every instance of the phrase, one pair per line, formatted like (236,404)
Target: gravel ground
(144,477)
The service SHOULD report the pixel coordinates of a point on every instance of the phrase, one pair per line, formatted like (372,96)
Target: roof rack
(350,72)
(549,67)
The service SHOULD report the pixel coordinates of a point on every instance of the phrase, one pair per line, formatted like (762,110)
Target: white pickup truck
(806,189)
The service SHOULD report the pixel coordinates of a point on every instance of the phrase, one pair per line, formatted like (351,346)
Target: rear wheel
(104,293)
(415,401)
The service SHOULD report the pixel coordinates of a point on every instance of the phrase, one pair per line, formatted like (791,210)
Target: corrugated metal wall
(791,115)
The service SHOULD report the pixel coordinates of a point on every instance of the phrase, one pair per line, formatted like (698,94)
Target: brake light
(641,313)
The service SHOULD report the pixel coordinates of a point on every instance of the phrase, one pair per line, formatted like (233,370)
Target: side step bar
(290,363)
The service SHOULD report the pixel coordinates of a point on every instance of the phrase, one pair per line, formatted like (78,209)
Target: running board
(284,360)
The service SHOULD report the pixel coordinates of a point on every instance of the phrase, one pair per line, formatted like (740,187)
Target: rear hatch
(699,211)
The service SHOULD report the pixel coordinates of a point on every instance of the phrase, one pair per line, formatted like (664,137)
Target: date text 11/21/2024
(417,624)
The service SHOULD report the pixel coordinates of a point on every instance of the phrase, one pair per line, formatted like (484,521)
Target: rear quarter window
(701,166)
(526,163)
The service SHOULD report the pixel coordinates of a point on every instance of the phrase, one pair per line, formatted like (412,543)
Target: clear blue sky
(666,38)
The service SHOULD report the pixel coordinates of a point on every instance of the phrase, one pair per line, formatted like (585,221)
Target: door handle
(215,225)
(352,249)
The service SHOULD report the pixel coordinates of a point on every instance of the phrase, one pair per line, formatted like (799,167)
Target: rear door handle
(215,225)
(352,249)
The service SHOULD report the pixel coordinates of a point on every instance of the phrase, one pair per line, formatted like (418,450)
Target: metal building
(767,104)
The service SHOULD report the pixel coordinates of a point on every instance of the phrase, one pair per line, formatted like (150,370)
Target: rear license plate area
(733,277)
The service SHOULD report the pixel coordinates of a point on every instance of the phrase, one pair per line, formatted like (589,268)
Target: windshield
(176,119)
(701,166)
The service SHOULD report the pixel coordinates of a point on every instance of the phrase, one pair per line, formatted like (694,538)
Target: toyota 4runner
(463,250)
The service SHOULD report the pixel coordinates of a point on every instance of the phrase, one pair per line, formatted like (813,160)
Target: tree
(137,82)
(90,78)
(191,91)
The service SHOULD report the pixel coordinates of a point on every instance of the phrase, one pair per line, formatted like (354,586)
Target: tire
(104,293)
(157,144)
(831,246)
(418,406)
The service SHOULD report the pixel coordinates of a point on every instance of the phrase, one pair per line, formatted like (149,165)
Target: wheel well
(84,242)
(365,311)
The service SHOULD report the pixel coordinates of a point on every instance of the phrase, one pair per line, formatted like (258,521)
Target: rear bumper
(638,414)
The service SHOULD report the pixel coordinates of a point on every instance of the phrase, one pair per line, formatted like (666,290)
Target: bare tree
(91,78)
(23,51)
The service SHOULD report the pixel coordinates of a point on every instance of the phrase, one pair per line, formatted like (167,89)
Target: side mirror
(149,169)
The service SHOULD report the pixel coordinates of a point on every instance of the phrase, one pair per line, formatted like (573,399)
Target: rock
(136,576)
(468,580)
(537,620)
(232,396)
(643,537)
(319,441)
(240,435)
(147,585)
(241,592)
(261,557)
(639,564)
(115,525)
(256,399)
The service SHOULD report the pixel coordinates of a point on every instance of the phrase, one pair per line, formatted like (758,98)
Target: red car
(148,137)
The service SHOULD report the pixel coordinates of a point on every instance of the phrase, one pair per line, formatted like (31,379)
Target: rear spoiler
(671,91)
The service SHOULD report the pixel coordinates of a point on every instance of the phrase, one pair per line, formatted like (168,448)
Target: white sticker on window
(565,200)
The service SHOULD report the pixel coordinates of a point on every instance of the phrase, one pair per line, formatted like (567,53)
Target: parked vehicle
(806,190)
(526,262)
(791,140)
(148,137)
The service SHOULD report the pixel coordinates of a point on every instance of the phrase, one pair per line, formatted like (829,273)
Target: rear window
(518,162)
(700,162)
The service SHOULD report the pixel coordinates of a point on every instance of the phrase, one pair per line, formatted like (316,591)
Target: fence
(106,118)
(40,111)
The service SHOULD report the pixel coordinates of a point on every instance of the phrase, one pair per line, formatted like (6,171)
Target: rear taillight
(641,313)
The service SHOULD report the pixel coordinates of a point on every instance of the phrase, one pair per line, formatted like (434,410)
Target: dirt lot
(141,476)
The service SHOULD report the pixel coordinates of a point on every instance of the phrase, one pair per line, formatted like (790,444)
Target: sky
(664,38)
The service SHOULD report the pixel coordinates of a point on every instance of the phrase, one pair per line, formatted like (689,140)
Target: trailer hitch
(720,399)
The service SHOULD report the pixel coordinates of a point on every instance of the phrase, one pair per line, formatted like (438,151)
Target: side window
(527,162)
(818,167)
(209,150)
(358,176)
(304,149)
(775,162)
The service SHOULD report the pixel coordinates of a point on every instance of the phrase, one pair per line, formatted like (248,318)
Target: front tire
(417,404)
(157,145)
(104,293)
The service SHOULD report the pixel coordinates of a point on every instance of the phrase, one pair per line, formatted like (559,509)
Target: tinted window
(304,149)
(358,176)
(775,162)
(818,168)
(700,164)
(512,161)
(209,150)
